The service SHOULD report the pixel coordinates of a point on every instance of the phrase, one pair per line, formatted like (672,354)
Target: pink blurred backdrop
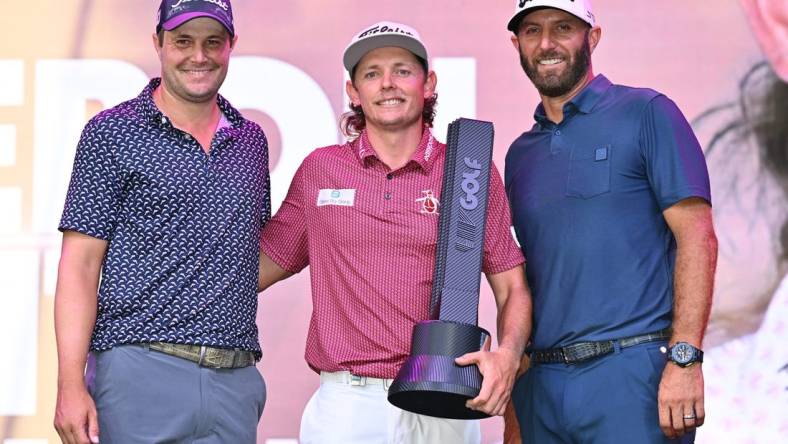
(695,52)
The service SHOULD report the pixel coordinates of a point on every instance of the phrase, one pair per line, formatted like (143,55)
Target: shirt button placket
(206,157)
(388,193)
(555,142)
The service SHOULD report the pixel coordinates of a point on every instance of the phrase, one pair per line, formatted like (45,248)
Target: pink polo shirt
(369,234)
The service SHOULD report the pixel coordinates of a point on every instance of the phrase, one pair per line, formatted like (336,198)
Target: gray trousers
(144,396)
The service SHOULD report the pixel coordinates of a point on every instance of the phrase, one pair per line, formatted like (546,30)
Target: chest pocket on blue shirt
(589,171)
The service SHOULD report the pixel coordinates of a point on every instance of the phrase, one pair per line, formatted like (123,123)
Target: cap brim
(355,52)
(180,19)
(514,23)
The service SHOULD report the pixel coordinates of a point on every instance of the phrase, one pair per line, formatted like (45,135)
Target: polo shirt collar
(424,156)
(583,102)
(147,108)
(591,94)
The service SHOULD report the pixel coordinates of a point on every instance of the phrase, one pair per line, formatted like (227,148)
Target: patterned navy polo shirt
(183,226)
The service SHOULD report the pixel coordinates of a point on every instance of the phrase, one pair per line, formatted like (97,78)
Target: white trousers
(352,410)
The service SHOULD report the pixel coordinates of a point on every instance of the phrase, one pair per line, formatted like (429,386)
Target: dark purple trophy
(429,382)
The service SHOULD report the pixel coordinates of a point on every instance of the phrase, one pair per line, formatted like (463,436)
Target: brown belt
(205,356)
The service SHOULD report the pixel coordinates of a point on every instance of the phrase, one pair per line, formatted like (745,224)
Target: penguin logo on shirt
(429,203)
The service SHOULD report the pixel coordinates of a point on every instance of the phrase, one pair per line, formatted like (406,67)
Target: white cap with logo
(380,35)
(579,8)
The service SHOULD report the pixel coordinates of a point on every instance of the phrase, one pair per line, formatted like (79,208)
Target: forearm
(76,303)
(514,321)
(696,259)
(75,317)
(680,393)
(513,300)
(499,367)
(270,272)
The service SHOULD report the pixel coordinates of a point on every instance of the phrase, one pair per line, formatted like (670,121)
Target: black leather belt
(584,351)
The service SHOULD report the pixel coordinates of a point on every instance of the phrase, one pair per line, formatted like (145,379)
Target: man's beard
(552,85)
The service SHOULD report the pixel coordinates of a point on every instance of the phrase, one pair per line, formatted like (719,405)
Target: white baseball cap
(579,8)
(380,35)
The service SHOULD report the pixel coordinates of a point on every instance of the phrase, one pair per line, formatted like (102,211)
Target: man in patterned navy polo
(364,216)
(168,195)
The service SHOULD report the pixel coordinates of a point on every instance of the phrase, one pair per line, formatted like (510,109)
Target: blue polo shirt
(182,226)
(587,197)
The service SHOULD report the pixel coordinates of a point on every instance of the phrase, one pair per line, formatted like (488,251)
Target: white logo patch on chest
(342,198)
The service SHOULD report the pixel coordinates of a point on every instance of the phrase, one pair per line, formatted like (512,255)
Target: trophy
(429,382)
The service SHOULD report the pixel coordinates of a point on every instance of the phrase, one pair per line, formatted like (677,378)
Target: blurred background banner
(62,61)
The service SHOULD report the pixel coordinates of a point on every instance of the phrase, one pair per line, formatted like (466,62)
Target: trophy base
(430,383)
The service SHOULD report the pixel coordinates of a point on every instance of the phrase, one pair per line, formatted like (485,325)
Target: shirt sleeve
(284,238)
(93,199)
(501,253)
(674,160)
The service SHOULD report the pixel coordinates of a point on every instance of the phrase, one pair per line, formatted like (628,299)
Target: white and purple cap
(579,8)
(174,13)
(383,34)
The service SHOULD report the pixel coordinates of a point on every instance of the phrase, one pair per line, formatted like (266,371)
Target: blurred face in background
(750,185)
(769,22)
(749,211)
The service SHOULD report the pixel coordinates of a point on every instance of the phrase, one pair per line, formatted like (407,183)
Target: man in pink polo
(364,216)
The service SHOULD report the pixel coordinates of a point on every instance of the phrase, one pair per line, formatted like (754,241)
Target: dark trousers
(612,399)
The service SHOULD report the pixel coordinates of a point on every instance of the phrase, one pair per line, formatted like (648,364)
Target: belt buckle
(357,380)
(581,352)
(565,356)
(234,363)
(205,362)
(203,352)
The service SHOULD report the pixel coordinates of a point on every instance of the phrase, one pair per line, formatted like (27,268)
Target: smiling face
(391,86)
(555,50)
(194,59)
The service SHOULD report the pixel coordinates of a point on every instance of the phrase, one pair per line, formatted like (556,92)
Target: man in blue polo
(611,204)
(168,195)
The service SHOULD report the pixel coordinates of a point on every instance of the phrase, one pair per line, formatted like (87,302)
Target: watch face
(682,353)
